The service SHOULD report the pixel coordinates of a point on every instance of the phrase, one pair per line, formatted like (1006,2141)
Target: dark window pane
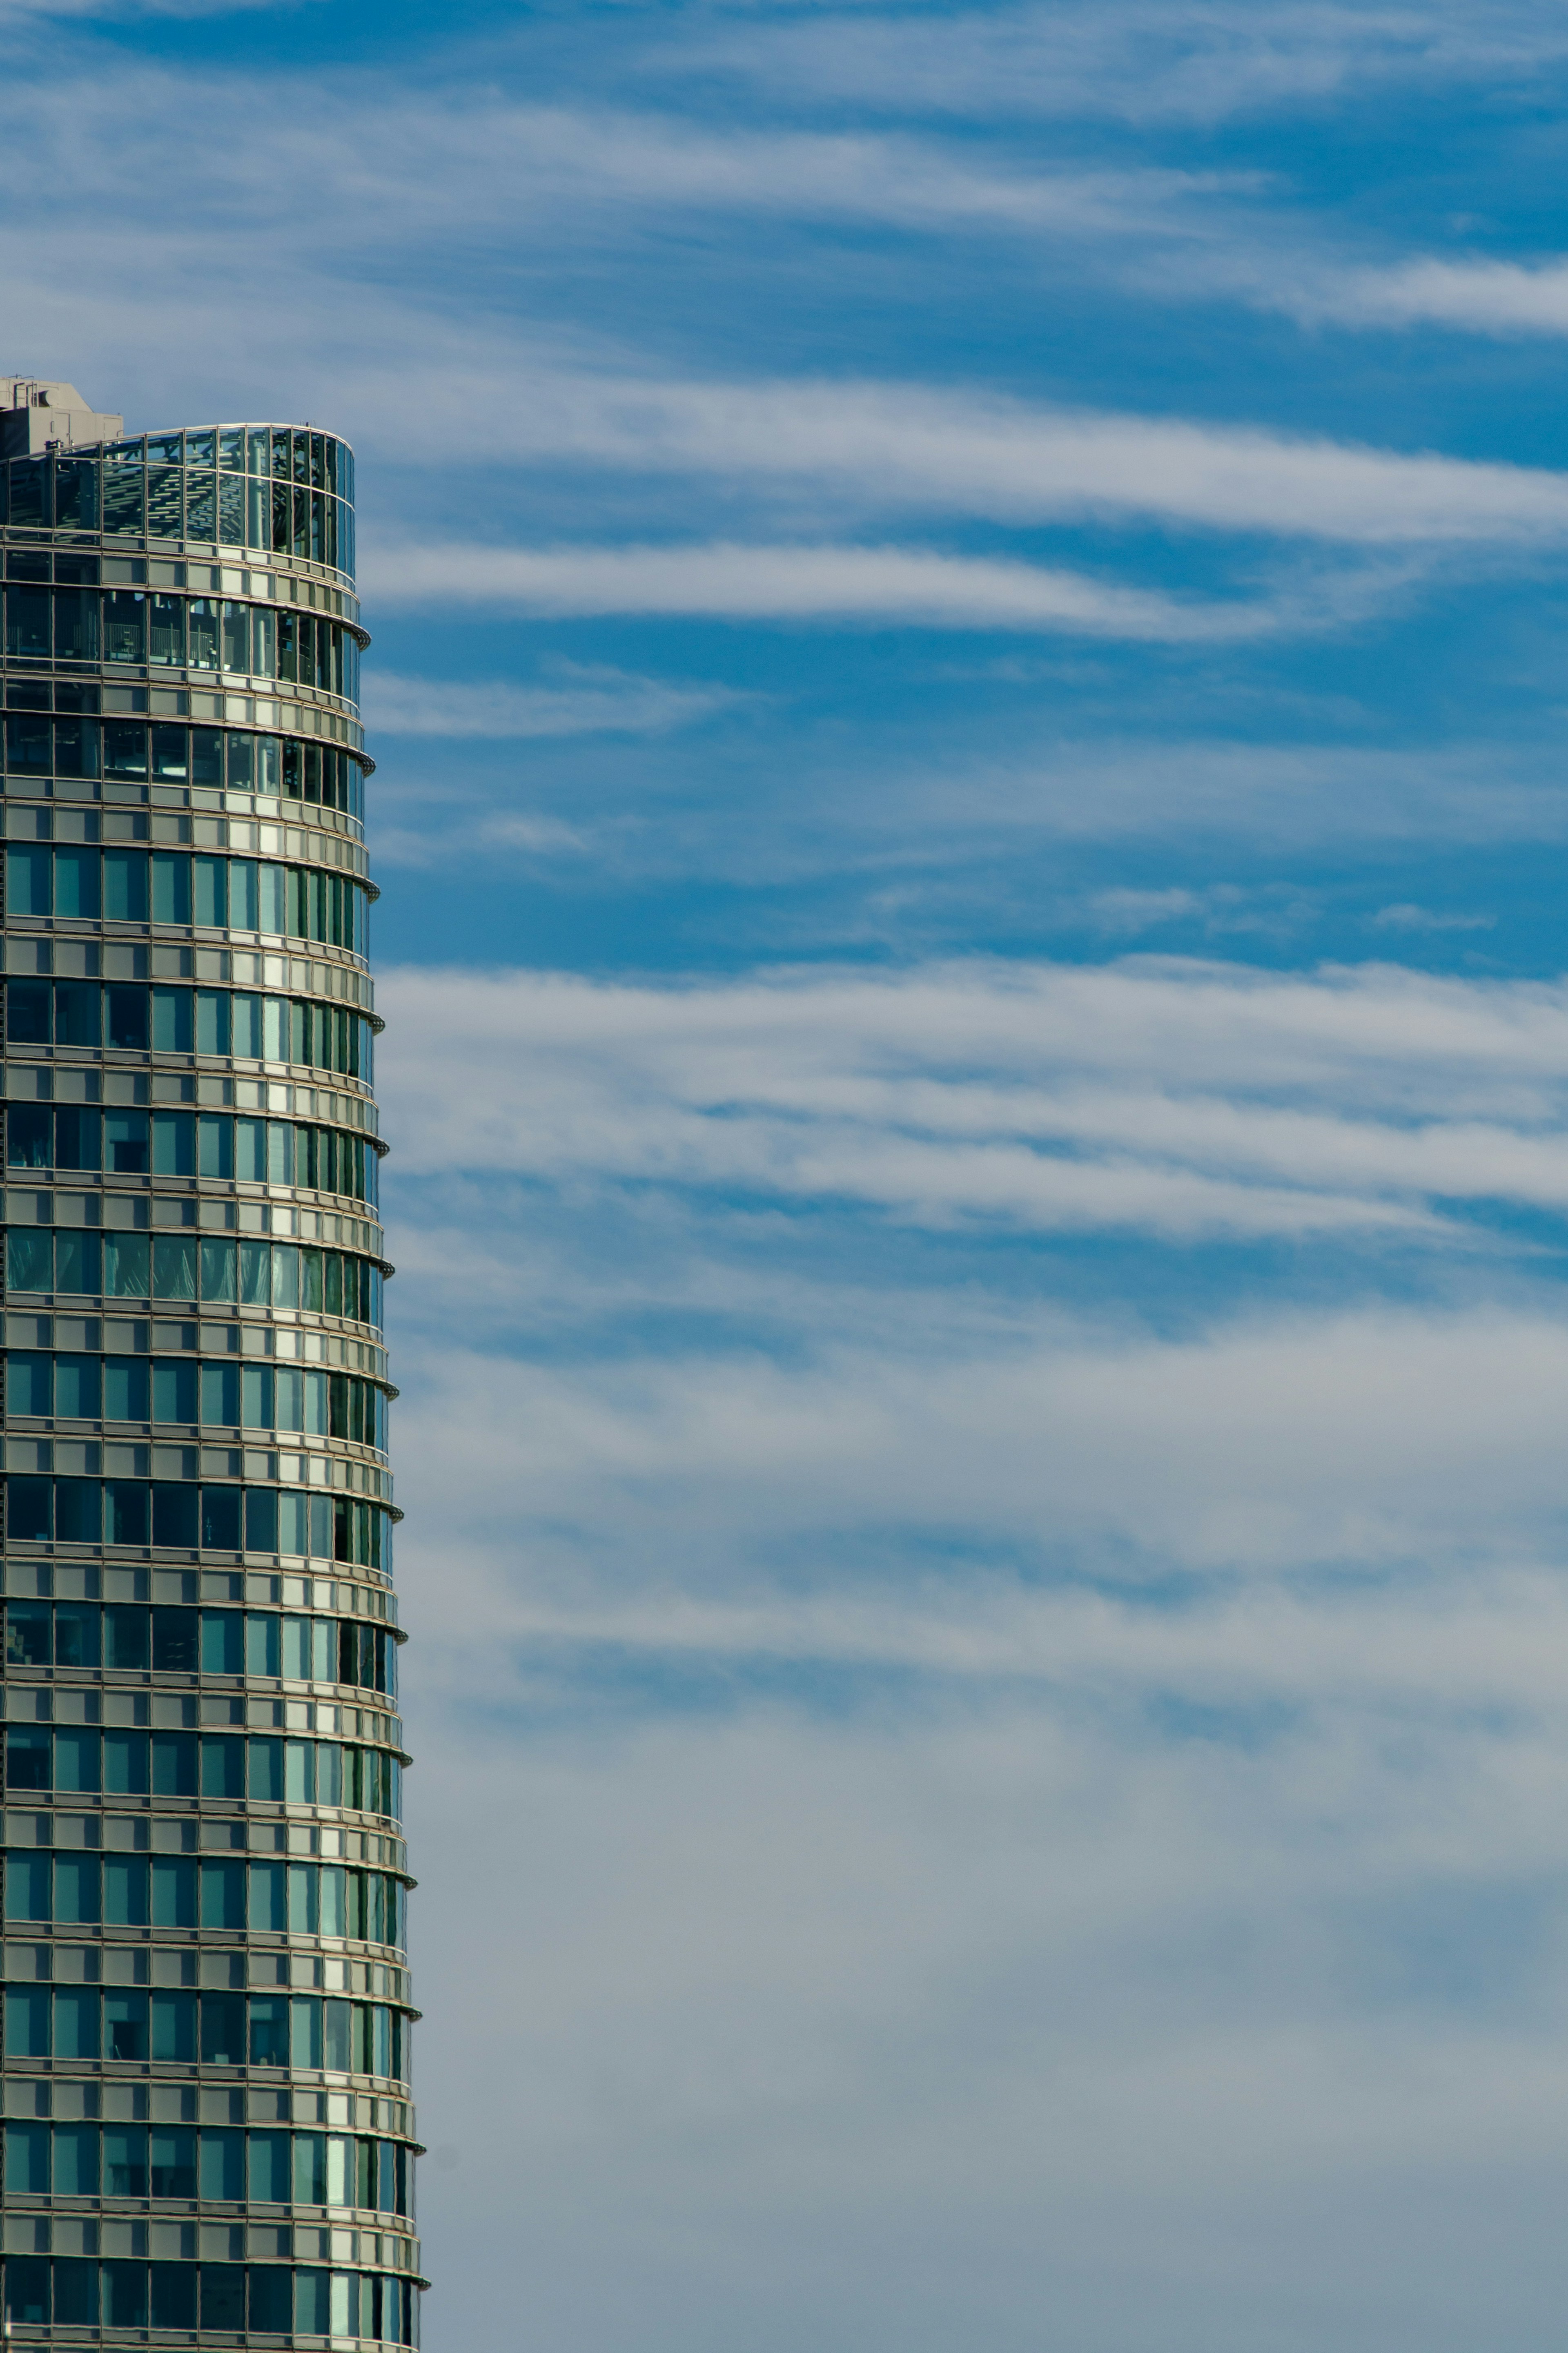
(125,1626)
(125,2294)
(173,2297)
(29,1137)
(77,1006)
(26,745)
(27,1012)
(220,1519)
(78,1131)
(124,625)
(223,2296)
(174,1640)
(127,1020)
(127,1513)
(124,748)
(27,2288)
(78,747)
(76,2292)
(28,1510)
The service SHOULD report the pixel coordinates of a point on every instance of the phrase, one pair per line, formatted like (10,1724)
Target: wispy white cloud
(1178,1099)
(1134,60)
(909,445)
(1476,295)
(900,585)
(583,701)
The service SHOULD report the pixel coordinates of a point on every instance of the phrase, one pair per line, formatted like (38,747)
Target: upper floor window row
(130,495)
(130,1017)
(285,767)
(173,886)
(162,629)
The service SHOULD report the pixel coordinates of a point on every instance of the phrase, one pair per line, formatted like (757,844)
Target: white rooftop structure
(35,411)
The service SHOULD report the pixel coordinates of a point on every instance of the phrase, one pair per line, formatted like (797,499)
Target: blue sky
(969,689)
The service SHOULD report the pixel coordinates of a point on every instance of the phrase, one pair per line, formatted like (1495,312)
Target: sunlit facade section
(208,2131)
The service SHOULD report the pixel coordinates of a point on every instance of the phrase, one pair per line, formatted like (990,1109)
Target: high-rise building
(208,2134)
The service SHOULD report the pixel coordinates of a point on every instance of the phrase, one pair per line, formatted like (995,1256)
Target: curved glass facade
(208,2129)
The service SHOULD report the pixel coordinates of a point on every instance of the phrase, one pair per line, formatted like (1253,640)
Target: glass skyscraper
(209,2135)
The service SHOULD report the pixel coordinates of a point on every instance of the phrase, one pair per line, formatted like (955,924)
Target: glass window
(166,631)
(274,898)
(125,885)
(76,2160)
(236,636)
(261,1647)
(201,505)
(79,1138)
(223,2296)
(77,1764)
(266,1764)
(223,1766)
(174,1155)
(77,1385)
(256,1404)
(203,625)
(77,1004)
(171,753)
(125,1758)
(77,1895)
(78,747)
(28,1757)
(124,625)
(230,511)
(28,1383)
(125,1146)
(76,494)
(29,1135)
(174,2014)
(244,1013)
(222,2153)
(28,744)
(76,1634)
(125,2013)
(166,500)
(76,625)
(27,873)
(223,1643)
(27,1012)
(221,1519)
(270,2180)
(76,882)
(124,748)
(206,756)
(268,1910)
(125,1389)
(123,503)
(173,1764)
(127,1634)
(28,621)
(217,1270)
(174,1898)
(212,1023)
(173,1255)
(171,887)
(209,890)
(171,2161)
(223,1895)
